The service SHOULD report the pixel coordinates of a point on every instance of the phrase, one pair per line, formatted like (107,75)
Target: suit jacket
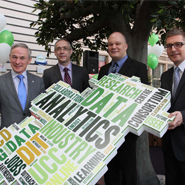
(176,136)
(80,77)
(125,160)
(10,106)
(130,68)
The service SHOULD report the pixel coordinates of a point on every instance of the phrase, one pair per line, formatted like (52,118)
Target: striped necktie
(114,67)
(176,80)
(67,78)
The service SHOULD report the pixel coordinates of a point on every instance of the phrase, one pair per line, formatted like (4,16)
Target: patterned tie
(176,80)
(22,91)
(67,78)
(114,67)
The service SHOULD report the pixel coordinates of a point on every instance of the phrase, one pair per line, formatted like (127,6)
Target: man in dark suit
(122,168)
(77,75)
(15,102)
(174,81)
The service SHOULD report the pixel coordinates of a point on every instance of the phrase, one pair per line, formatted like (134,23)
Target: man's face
(19,59)
(117,46)
(63,52)
(176,55)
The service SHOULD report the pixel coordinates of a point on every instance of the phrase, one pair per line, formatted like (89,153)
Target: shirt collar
(69,66)
(121,61)
(14,74)
(181,66)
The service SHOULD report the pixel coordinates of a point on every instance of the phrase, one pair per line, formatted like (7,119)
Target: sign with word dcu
(71,137)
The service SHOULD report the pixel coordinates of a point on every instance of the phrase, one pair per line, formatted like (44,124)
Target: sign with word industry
(71,137)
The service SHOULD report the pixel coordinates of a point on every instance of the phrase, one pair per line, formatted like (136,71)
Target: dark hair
(175,31)
(70,46)
(21,45)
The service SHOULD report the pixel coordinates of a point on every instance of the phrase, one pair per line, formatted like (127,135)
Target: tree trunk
(137,49)
(146,173)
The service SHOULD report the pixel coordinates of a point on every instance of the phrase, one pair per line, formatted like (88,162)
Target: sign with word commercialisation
(71,137)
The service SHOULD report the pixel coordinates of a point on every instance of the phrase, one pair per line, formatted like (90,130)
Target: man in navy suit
(78,75)
(122,168)
(11,107)
(174,139)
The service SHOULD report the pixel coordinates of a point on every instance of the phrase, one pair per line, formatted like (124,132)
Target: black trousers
(122,168)
(174,169)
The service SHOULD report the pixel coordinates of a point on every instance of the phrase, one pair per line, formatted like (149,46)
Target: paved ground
(160,177)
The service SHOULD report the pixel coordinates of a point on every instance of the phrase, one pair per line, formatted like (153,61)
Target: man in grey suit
(174,81)
(65,70)
(18,87)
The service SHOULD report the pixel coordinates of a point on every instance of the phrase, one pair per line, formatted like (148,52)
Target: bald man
(122,168)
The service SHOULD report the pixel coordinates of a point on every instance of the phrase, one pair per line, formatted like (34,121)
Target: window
(102,61)
(156,74)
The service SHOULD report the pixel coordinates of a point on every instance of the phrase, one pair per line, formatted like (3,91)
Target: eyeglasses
(176,45)
(59,49)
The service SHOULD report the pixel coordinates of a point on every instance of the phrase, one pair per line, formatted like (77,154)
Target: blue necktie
(22,91)
(114,67)
(176,80)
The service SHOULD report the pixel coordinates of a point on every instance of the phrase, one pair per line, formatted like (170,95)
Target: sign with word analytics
(71,137)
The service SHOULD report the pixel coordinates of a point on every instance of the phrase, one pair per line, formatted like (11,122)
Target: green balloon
(153,39)
(152,61)
(95,76)
(6,37)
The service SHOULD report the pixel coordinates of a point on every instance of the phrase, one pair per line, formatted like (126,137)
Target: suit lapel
(169,82)
(107,69)
(74,73)
(11,87)
(30,88)
(126,66)
(181,84)
(57,72)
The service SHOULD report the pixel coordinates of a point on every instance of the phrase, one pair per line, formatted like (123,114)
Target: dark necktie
(114,67)
(67,78)
(22,91)
(176,80)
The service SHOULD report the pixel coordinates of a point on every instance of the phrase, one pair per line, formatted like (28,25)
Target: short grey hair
(22,45)
(70,46)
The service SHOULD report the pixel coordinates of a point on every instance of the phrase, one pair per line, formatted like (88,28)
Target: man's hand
(177,121)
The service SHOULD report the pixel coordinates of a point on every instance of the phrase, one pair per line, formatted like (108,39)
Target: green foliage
(171,14)
(88,23)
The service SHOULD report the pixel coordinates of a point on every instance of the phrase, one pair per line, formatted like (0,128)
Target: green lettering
(101,104)
(19,140)
(33,128)
(42,177)
(55,158)
(93,97)
(119,101)
(89,151)
(124,115)
(52,168)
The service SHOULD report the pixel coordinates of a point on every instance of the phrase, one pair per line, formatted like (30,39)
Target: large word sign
(71,137)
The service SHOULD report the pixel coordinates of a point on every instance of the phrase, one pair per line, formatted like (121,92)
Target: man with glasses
(174,81)
(65,70)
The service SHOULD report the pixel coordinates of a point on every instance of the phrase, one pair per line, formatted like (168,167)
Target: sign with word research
(71,137)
